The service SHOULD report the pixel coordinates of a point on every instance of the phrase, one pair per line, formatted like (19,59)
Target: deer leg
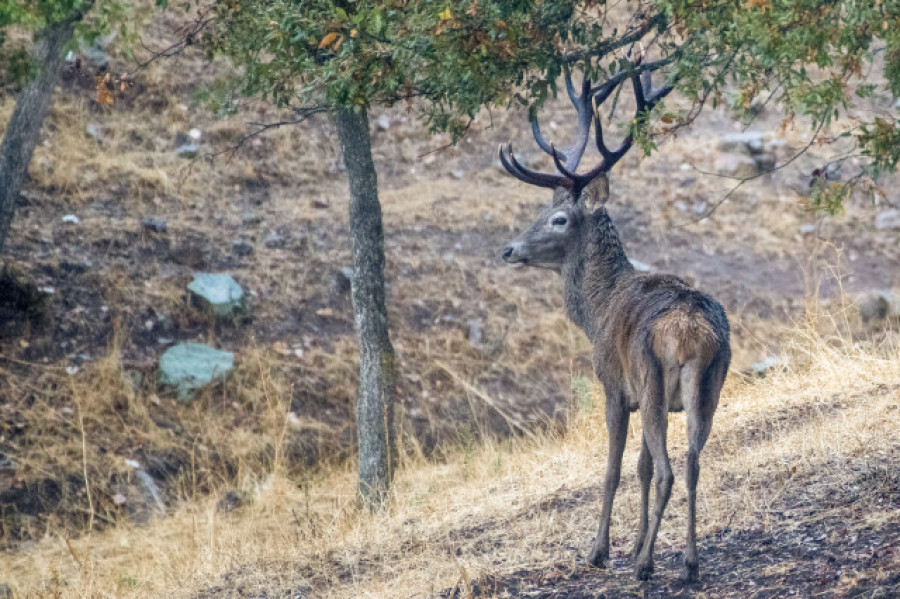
(654,412)
(645,474)
(699,423)
(617,425)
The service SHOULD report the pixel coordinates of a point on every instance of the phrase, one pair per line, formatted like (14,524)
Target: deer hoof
(691,571)
(598,557)
(644,571)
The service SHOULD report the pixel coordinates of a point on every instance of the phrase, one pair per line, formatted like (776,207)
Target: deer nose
(507,253)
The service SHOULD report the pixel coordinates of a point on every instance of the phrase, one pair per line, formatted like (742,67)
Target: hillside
(799,495)
(502,441)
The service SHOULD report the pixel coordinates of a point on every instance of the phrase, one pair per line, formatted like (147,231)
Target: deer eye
(558,221)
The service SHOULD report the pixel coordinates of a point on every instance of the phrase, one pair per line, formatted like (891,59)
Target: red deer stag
(659,345)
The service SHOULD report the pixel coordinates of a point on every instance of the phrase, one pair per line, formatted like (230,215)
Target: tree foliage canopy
(36,16)
(458,56)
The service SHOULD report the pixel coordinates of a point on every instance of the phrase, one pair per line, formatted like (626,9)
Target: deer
(659,344)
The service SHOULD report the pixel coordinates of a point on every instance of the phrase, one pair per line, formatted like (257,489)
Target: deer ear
(595,194)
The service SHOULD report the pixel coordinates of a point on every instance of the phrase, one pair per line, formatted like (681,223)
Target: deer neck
(593,272)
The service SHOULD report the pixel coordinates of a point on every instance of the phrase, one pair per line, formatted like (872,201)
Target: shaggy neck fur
(593,271)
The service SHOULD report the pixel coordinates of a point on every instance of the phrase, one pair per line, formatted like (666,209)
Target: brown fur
(679,336)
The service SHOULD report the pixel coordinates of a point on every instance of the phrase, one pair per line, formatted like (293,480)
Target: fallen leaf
(328,40)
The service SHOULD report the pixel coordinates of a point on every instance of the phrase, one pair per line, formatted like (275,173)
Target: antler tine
(560,166)
(515,168)
(571,156)
(646,98)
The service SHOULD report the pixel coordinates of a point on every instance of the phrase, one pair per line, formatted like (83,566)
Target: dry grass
(487,509)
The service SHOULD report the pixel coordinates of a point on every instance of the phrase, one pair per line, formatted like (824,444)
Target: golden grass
(479,512)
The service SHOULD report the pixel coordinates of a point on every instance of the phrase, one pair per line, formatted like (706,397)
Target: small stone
(735,165)
(699,208)
(884,304)
(750,142)
(71,219)
(195,134)
(888,219)
(275,241)
(220,292)
(155,225)
(773,145)
(250,218)
(763,367)
(383,122)
(458,174)
(681,206)
(342,280)
(640,266)
(191,366)
(231,501)
(187,151)
(96,57)
(241,247)
(94,131)
(765,161)
(475,334)
(321,204)
(807,229)
(119,499)
(149,491)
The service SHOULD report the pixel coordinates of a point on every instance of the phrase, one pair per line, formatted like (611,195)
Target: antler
(571,157)
(587,106)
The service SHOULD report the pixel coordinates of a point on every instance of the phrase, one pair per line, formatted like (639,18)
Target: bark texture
(375,401)
(24,127)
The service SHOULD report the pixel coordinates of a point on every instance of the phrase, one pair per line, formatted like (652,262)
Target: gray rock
(879,306)
(231,501)
(383,122)
(735,165)
(639,266)
(765,161)
(191,366)
(94,131)
(749,142)
(458,174)
(888,219)
(241,247)
(764,367)
(342,280)
(807,228)
(149,491)
(187,151)
(250,218)
(275,241)
(96,56)
(220,292)
(153,224)
(475,332)
(873,308)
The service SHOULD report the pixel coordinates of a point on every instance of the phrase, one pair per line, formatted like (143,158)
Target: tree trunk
(24,127)
(375,401)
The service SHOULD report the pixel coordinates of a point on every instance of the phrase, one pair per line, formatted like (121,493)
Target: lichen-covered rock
(220,292)
(191,366)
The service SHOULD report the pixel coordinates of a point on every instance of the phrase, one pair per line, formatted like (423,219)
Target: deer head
(577,197)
